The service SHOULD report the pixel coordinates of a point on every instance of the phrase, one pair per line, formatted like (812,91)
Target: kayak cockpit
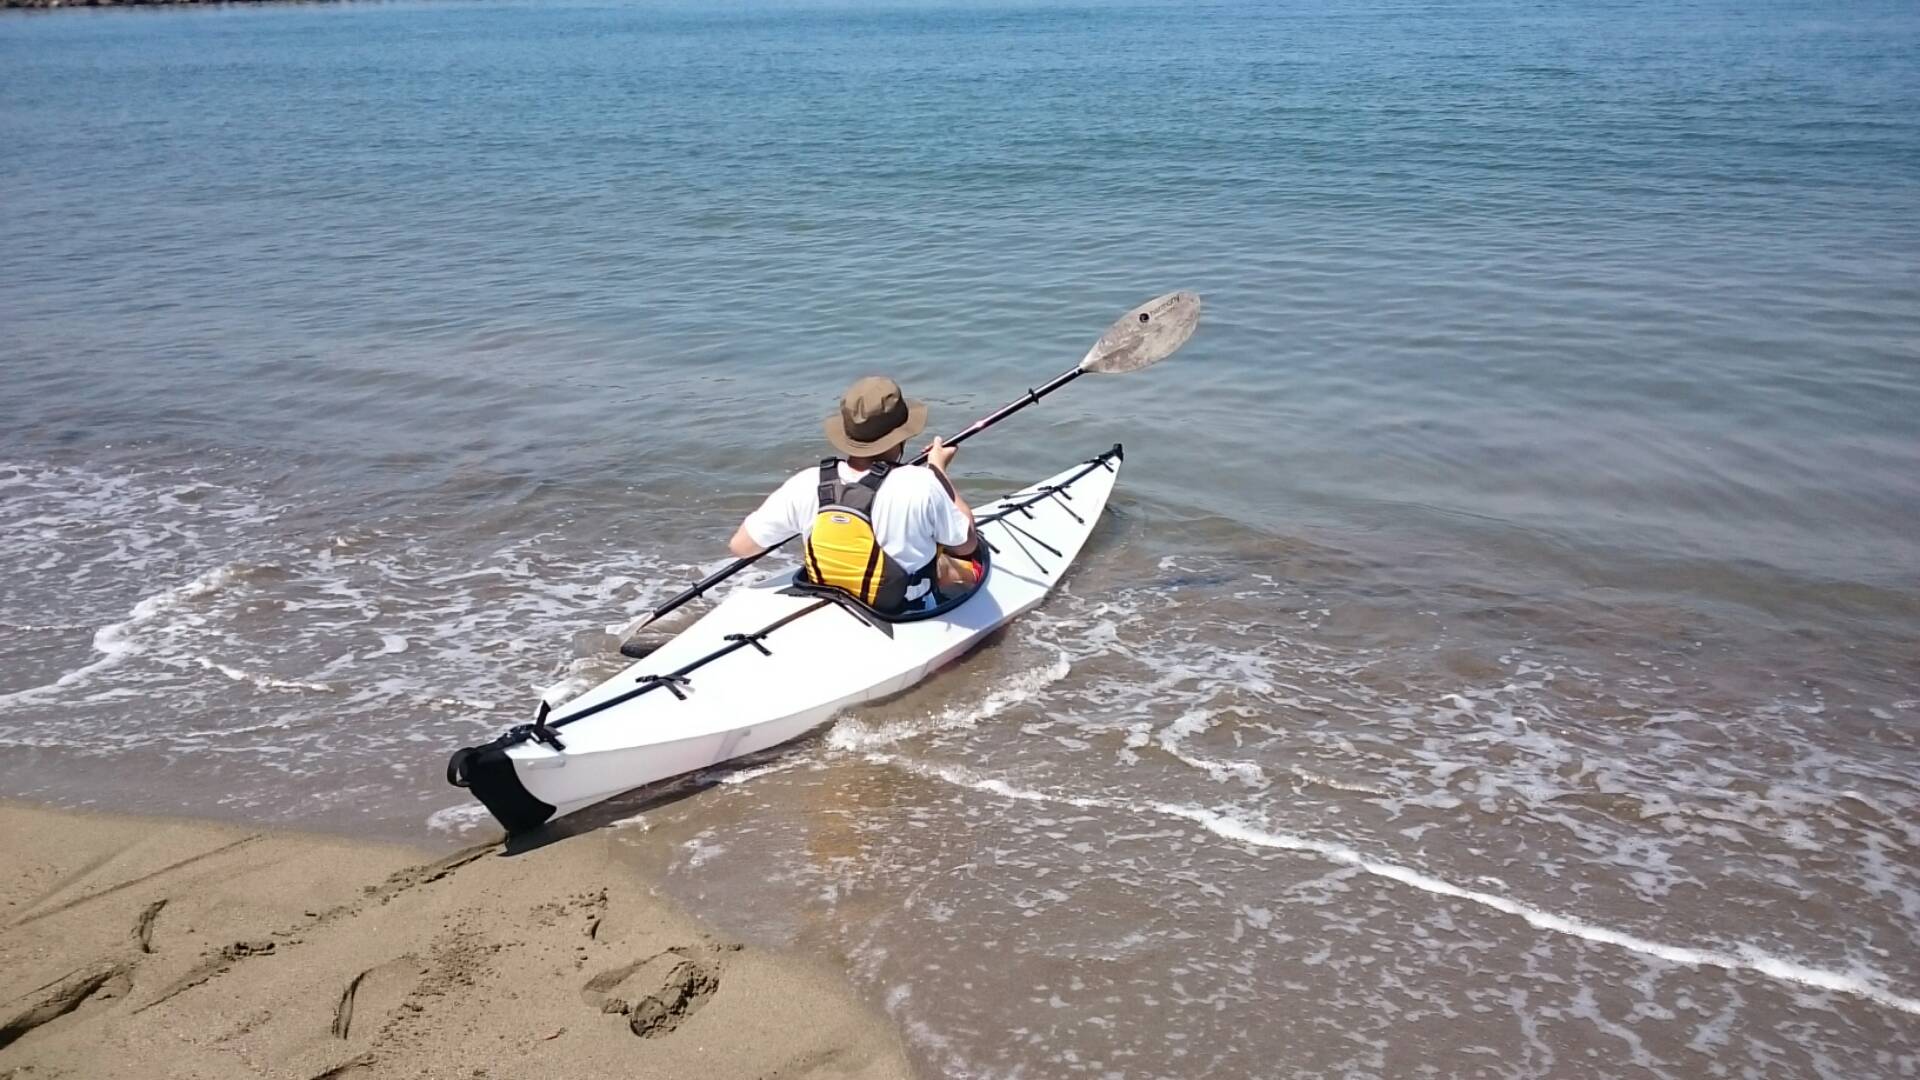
(931,606)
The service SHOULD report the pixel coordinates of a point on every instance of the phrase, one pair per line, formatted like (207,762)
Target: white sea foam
(581,676)
(263,682)
(702,848)
(463,818)
(1861,982)
(853,733)
(393,628)
(464,703)
(1194,722)
(741,776)
(117,641)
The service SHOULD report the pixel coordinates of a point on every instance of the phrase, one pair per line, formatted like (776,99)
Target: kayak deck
(766,666)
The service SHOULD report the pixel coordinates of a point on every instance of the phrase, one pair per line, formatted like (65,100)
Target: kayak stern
(489,772)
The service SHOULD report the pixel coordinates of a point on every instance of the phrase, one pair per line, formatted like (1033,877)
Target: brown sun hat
(874,418)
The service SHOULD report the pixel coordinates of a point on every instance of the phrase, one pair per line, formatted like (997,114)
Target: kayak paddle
(1141,338)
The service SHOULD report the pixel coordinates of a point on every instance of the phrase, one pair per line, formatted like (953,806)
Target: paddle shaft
(1032,398)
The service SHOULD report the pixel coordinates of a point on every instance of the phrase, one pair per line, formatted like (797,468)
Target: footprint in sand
(66,996)
(105,980)
(656,994)
(373,995)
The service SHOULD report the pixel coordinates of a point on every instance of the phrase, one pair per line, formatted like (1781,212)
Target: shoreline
(138,946)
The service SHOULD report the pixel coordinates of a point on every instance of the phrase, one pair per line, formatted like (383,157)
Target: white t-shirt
(912,513)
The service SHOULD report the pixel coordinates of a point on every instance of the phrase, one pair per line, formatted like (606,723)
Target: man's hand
(939,455)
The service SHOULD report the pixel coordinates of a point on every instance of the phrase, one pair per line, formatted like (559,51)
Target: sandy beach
(153,947)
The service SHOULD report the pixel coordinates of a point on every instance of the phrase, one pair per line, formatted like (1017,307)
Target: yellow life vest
(842,550)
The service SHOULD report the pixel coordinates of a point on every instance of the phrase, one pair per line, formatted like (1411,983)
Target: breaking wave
(1864,982)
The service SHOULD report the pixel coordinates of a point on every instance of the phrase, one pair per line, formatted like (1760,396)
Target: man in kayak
(885,532)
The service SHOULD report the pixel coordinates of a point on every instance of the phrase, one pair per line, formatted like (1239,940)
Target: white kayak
(772,662)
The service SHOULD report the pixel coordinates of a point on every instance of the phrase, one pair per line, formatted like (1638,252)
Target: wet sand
(152,947)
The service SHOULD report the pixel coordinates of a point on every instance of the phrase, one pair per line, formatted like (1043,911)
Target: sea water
(1502,655)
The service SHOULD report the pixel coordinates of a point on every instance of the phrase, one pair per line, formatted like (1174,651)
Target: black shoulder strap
(877,474)
(859,495)
(829,481)
(856,496)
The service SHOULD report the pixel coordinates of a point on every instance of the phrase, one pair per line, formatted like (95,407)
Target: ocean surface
(1502,656)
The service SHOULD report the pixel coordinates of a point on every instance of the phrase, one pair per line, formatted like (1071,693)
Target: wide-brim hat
(874,417)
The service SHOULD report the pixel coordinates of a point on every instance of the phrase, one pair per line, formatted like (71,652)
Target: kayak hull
(814,659)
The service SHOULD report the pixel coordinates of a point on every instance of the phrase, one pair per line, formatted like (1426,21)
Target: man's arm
(743,545)
(939,456)
(776,520)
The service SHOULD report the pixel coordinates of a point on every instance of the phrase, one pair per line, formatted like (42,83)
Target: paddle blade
(1146,335)
(637,640)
